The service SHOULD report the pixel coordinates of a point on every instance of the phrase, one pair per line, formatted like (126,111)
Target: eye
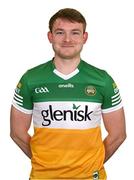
(76,33)
(59,32)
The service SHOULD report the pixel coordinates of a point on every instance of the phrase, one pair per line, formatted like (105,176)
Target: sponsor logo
(75,107)
(69,85)
(41,90)
(75,114)
(90,90)
(96,175)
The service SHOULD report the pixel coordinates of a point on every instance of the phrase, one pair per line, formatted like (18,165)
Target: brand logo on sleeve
(19,85)
(116,90)
(41,90)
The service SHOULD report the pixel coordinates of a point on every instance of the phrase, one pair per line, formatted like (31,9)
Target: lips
(67,46)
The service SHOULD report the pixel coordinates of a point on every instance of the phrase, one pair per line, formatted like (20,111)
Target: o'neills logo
(69,85)
(49,115)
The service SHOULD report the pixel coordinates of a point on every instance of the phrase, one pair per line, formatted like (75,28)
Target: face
(67,38)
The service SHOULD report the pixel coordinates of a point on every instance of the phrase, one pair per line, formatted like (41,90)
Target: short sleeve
(22,99)
(111,95)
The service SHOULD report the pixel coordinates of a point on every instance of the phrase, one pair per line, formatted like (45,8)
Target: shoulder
(38,71)
(94,71)
(39,68)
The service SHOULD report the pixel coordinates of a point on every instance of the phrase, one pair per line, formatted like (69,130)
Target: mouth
(67,46)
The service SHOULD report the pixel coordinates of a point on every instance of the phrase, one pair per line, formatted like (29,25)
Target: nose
(67,37)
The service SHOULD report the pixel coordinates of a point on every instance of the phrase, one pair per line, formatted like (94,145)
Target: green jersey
(67,112)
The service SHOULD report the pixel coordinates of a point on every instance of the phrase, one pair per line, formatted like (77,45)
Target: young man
(66,98)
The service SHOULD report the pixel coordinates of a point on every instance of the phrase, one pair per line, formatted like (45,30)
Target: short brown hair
(69,14)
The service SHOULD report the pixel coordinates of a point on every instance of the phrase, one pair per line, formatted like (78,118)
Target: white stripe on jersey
(18,95)
(26,111)
(115,95)
(117,102)
(16,102)
(116,99)
(17,99)
(108,110)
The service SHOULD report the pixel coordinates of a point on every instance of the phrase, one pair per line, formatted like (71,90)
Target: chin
(68,57)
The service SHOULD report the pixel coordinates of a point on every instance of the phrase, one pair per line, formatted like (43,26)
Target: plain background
(24,44)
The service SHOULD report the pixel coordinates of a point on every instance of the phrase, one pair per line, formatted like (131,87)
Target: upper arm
(112,110)
(114,123)
(19,122)
(21,110)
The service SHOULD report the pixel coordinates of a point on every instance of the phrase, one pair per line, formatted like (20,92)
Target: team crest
(90,90)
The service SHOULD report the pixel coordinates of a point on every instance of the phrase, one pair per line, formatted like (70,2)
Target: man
(66,98)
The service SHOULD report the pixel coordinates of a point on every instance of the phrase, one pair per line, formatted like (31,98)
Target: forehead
(67,25)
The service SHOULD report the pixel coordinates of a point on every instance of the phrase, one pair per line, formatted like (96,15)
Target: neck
(66,66)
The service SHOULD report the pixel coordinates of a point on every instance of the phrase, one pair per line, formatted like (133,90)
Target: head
(67,33)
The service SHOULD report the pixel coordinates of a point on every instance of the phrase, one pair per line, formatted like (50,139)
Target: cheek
(79,42)
(57,40)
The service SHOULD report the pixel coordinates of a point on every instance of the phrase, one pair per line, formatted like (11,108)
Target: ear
(85,37)
(50,36)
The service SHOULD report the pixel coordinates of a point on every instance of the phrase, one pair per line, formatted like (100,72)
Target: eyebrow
(76,30)
(60,29)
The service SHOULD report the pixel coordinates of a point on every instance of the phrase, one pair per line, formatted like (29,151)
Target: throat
(66,67)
